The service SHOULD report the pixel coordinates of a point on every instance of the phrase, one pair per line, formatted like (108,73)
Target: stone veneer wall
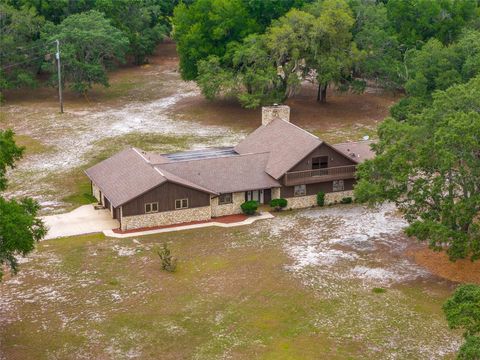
(331,198)
(311,200)
(275,193)
(166,218)
(238,199)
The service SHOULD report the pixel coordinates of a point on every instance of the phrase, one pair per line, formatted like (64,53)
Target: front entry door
(256,195)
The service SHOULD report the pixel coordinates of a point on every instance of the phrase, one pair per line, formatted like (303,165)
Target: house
(279,159)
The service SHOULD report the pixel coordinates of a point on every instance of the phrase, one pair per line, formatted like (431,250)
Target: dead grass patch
(463,270)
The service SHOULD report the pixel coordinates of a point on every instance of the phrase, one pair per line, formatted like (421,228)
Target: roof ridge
(353,142)
(298,127)
(141,155)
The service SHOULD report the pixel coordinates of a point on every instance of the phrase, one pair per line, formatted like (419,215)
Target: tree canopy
(205,28)
(313,44)
(20,227)
(327,42)
(429,165)
(19,42)
(90,46)
(462,311)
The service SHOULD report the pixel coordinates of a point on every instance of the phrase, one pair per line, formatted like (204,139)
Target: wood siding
(165,195)
(334,158)
(313,189)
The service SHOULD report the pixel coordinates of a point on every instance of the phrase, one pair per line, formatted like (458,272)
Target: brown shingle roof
(358,150)
(287,144)
(124,176)
(225,174)
(129,174)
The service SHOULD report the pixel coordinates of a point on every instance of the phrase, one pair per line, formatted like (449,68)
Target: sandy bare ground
(328,282)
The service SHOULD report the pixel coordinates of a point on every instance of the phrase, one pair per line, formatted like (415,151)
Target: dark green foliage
(21,51)
(320,198)
(437,67)
(278,204)
(470,349)
(55,10)
(90,46)
(381,58)
(416,21)
(9,154)
(169,263)
(462,311)
(249,207)
(142,21)
(205,28)
(19,226)
(267,68)
(346,200)
(429,166)
(377,290)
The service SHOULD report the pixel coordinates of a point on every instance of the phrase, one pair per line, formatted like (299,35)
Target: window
(300,190)
(338,185)
(181,204)
(225,199)
(151,207)
(320,162)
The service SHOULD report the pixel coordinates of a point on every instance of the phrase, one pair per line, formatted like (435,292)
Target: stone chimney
(270,113)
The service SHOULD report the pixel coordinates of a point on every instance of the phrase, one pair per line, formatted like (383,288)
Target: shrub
(346,200)
(249,207)
(320,198)
(169,263)
(278,204)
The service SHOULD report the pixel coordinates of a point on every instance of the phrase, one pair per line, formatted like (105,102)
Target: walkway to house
(224,221)
(82,220)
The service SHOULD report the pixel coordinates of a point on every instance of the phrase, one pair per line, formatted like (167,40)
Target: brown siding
(165,195)
(334,158)
(313,189)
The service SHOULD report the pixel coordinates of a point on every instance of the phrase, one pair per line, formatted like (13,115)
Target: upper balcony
(319,175)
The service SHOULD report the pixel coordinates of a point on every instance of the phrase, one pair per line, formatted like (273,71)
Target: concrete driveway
(82,220)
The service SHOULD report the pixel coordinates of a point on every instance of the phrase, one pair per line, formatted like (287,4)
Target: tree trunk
(322,93)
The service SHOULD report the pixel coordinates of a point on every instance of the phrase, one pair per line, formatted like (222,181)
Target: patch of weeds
(32,146)
(82,194)
(145,141)
(114,282)
(378,290)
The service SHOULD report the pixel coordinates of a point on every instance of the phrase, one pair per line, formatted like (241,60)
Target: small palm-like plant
(169,262)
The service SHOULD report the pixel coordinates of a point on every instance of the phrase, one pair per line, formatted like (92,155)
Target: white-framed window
(338,185)
(225,199)
(151,207)
(300,190)
(181,204)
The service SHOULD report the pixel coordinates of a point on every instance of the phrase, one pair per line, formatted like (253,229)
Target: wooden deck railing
(319,175)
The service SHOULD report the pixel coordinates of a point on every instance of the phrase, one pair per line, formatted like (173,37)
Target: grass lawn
(286,288)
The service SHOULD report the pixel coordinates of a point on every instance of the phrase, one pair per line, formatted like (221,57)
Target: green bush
(249,207)
(278,204)
(346,200)
(320,198)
